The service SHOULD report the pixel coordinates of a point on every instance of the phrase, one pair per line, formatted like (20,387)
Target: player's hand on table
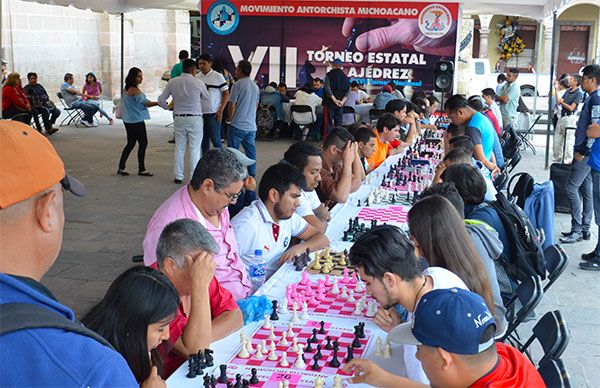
(292,252)
(387,319)
(367,372)
(154,380)
(322,213)
(201,268)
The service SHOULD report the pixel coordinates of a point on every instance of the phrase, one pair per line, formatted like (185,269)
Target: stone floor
(104,230)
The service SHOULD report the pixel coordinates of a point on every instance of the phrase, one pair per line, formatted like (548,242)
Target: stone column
(548,32)
(484,35)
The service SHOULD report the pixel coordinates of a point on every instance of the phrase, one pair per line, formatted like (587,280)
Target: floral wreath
(510,43)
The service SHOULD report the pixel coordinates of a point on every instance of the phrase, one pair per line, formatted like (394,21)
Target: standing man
(41,104)
(243,103)
(31,223)
(212,107)
(568,103)
(337,86)
(187,93)
(72,97)
(177,68)
(508,97)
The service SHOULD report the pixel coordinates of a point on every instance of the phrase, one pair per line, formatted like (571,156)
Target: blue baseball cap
(338,62)
(452,319)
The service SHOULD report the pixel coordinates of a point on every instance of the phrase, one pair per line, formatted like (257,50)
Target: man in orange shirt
(387,129)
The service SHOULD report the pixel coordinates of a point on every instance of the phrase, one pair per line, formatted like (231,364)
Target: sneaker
(575,237)
(588,256)
(50,131)
(592,265)
(586,235)
(177,181)
(86,124)
(94,124)
(567,234)
(122,172)
(172,141)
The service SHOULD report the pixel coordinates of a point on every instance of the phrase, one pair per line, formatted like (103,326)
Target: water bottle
(257,271)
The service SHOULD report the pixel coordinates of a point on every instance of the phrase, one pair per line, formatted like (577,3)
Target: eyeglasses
(233,197)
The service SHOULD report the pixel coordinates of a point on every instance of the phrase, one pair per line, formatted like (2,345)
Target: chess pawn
(294,344)
(344,292)
(294,317)
(353,278)
(264,347)
(243,336)
(258,354)
(327,281)
(267,324)
(343,259)
(249,347)
(290,332)
(359,287)
(272,354)
(337,381)
(304,315)
(319,382)
(284,341)
(387,350)
(327,253)
(243,351)
(299,364)
(335,289)
(316,264)
(378,350)
(283,309)
(351,296)
(304,278)
(283,361)
(272,334)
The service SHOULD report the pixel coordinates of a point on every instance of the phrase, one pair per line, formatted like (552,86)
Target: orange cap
(29,165)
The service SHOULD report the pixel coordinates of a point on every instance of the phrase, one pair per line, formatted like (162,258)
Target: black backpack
(527,255)
(522,189)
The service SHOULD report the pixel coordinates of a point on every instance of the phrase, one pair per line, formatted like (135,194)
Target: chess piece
(337,382)
(249,347)
(294,317)
(243,351)
(264,347)
(334,363)
(327,281)
(272,333)
(284,341)
(283,309)
(283,361)
(378,349)
(223,376)
(191,368)
(238,381)
(308,348)
(208,357)
(343,260)
(328,346)
(359,287)
(358,309)
(290,332)
(304,315)
(274,316)
(345,278)
(316,264)
(258,354)
(253,377)
(314,338)
(294,344)
(272,354)
(335,289)
(387,350)
(267,324)
(304,278)
(350,354)
(315,365)
(322,327)
(299,364)
(351,296)
(356,341)
(361,331)
(319,354)
(319,382)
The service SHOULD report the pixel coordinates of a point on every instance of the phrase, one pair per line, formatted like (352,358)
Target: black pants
(49,116)
(22,116)
(136,132)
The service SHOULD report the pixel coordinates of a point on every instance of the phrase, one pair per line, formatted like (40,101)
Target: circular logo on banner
(223,17)
(435,21)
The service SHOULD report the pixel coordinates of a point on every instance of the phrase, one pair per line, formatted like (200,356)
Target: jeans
(579,189)
(236,136)
(136,132)
(102,112)
(335,115)
(596,195)
(212,132)
(188,132)
(89,110)
(49,116)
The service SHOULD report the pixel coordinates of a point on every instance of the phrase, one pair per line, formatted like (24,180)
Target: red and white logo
(435,21)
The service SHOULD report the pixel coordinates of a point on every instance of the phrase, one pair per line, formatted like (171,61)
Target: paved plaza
(104,230)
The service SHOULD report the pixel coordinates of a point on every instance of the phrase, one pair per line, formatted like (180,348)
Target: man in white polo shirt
(212,107)
(187,93)
(306,157)
(270,222)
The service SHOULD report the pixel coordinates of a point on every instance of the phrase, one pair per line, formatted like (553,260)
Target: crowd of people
(441,291)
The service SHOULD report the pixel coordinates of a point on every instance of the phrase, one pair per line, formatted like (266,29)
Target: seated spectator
(478,105)
(471,186)
(318,87)
(422,109)
(386,261)
(489,96)
(216,183)
(135,324)
(367,144)
(362,97)
(453,350)
(271,222)
(15,104)
(283,90)
(307,158)
(396,90)
(477,127)
(307,96)
(434,104)
(386,131)
(271,97)
(32,220)
(408,129)
(383,97)
(207,311)
(73,99)
(460,155)
(412,115)
(248,194)
(341,172)
(41,104)
(440,234)
(92,93)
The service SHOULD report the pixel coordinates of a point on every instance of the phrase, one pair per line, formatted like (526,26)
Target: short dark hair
(464,142)
(188,65)
(418,94)
(273,84)
(183,54)
(513,70)
(387,120)
(419,104)
(458,155)
(281,177)
(591,71)
(432,99)
(68,76)
(489,92)
(448,191)
(31,74)
(468,181)
(385,248)
(338,137)
(298,153)
(317,79)
(353,84)
(455,103)
(455,130)
(282,85)
(501,77)
(205,57)
(245,67)
(395,106)
(364,135)
(476,103)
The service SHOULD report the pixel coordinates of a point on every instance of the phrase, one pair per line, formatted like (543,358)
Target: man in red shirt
(454,333)
(207,311)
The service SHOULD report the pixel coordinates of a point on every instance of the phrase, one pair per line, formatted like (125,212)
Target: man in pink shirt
(216,183)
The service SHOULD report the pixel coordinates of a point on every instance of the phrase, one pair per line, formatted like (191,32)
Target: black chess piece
(322,329)
(213,382)
(238,381)
(208,357)
(274,316)
(253,377)
(245,383)
(319,354)
(334,363)
(345,237)
(356,341)
(328,346)
(314,338)
(191,368)
(350,354)
(229,384)
(223,376)
(206,383)
(361,332)
(315,365)
(308,348)
(336,345)
(358,203)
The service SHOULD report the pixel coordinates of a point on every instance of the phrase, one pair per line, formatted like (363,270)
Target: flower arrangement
(511,43)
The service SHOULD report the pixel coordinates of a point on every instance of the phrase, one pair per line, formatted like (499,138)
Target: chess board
(393,214)
(270,372)
(338,268)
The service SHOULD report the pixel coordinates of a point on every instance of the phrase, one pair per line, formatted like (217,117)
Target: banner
(296,41)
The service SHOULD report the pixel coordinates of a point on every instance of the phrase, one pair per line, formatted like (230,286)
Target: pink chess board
(394,213)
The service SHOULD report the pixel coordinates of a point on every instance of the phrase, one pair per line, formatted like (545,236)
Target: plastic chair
(513,161)
(374,115)
(556,263)
(349,110)
(74,115)
(523,134)
(304,126)
(500,181)
(551,333)
(555,374)
(529,293)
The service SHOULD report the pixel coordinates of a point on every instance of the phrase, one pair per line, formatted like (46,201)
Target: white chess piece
(294,317)
(351,296)
(359,287)
(387,350)
(286,383)
(358,309)
(337,381)
(284,341)
(249,347)
(272,334)
(264,348)
(283,361)
(294,344)
(280,384)
(267,324)
(243,336)
(335,289)
(258,354)
(299,364)
(243,351)
(304,315)
(319,382)
(272,346)
(290,332)
(282,306)
(344,292)
(378,351)
(272,355)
